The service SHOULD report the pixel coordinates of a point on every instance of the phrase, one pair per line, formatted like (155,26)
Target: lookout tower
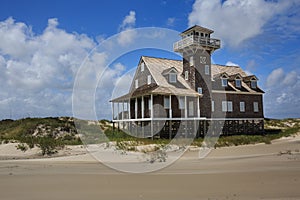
(196,47)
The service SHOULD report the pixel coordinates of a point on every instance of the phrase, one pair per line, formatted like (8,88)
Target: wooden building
(190,96)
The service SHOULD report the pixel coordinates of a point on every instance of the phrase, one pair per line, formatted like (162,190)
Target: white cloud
(235,21)
(127,34)
(229,63)
(282,98)
(129,21)
(170,21)
(275,78)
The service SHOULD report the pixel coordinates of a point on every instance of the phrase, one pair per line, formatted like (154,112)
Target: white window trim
(200,91)
(242,106)
(186,75)
(253,84)
(224,85)
(229,106)
(206,69)
(192,61)
(224,106)
(181,103)
(255,106)
(142,66)
(166,102)
(149,79)
(174,76)
(238,81)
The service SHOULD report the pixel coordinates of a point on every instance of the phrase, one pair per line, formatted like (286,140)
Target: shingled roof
(159,66)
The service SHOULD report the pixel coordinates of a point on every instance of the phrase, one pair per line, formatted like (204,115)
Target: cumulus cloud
(282,98)
(127,34)
(38,70)
(229,63)
(235,21)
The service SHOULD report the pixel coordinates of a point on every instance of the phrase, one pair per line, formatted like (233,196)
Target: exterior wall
(236,99)
(141,76)
(198,78)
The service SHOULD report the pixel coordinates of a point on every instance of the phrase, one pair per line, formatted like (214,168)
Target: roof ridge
(161,58)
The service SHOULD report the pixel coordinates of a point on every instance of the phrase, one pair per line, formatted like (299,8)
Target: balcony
(195,41)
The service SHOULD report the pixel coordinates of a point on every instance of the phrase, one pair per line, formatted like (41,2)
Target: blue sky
(43,44)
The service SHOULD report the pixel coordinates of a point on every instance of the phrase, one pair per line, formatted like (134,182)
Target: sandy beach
(245,172)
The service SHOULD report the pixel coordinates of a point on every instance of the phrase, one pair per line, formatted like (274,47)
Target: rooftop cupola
(197,37)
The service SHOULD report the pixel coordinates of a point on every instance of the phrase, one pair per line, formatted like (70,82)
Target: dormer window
(254,84)
(172,78)
(238,83)
(224,82)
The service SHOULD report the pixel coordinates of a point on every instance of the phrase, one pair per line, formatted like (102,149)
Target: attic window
(136,83)
(149,79)
(142,67)
(253,84)
(238,83)
(224,82)
(172,77)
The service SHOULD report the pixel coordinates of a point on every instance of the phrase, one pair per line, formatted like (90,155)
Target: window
(253,84)
(200,90)
(172,78)
(224,82)
(255,106)
(224,106)
(186,75)
(149,103)
(206,69)
(242,106)
(213,106)
(227,106)
(149,79)
(136,83)
(191,60)
(202,59)
(142,67)
(238,83)
(191,108)
(181,103)
(166,102)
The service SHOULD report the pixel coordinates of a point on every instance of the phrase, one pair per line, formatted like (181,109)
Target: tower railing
(196,41)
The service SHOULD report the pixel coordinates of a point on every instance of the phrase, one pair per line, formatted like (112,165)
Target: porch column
(128,107)
(142,107)
(113,110)
(118,111)
(198,107)
(123,110)
(151,106)
(136,108)
(170,102)
(185,107)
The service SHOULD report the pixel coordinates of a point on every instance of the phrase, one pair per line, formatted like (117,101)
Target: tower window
(191,60)
(206,69)
(200,90)
(186,75)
